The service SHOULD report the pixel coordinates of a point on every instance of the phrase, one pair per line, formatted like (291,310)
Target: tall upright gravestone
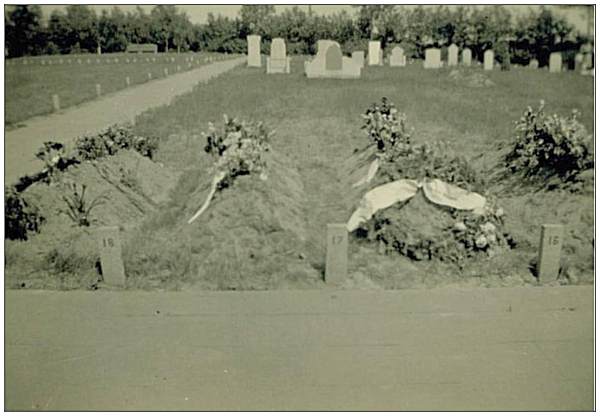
(375,52)
(466,57)
(433,58)
(278,62)
(555,62)
(254,51)
(452,55)
(397,57)
(359,58)
(488,60)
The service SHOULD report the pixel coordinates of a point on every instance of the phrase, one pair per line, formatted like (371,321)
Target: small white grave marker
(336,267)
(111,259)
(149,76)
(55,102)
(178,68)
(166,72)
(98,90)
(127,81)
(549,256)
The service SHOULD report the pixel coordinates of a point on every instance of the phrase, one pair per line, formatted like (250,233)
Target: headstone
(549,255)
(98,90)
(79,61)
(278,62)
(43,62)
(172,59)
(330,63)
(126,60)
(149,76)
(127,81)
(111,260)
(397,57)
(166,72)
(534,64)
(488,60)
(178,68)
(254,59)
(433,58)
(134,60)
(466,57)
(89,61)
(375,52)
(359,58)
(452,55)
(336,266)
(56,102)
(116,60)
(333,58)
(60,61)
(555,62)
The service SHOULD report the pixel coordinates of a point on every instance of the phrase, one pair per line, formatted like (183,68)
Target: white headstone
(375,52)
(555,62)
(488,60)
(433,58)
(254,51)
(359,58)
(56,102)
(466,57)
(534,64)
(549,253)
(452,55)
(98,90)
(278,62)
(330,63)
(397,57)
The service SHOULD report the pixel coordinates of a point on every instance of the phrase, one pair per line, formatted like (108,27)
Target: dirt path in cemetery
(440,349)
(20,144)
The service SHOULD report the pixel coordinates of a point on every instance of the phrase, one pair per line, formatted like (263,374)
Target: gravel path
(440,349)
(21,144)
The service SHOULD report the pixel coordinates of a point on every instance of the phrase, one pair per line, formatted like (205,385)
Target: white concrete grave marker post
(149,76)
(166,71)
(127,81)
(111,261)
(549,255)
(336,267)
(433,58)
(98,90)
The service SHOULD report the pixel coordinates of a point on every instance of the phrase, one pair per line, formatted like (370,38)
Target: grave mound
(252,236)
(130,187)
(470,78)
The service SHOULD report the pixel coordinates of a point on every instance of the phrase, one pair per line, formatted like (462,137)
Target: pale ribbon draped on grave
(435,190)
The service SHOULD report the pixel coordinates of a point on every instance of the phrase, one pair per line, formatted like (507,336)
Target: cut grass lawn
(29,87)
(318,127)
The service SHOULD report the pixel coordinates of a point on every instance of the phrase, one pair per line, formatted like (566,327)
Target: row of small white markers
(56,97)
(336,265)
(69,61)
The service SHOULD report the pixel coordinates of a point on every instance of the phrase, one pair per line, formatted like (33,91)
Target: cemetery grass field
(29,88)
(317,126)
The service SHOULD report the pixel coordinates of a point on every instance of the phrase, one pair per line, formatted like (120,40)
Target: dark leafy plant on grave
(20,215)
(113,139)
(385,127)
(78,207)
(239,148)
(553,149)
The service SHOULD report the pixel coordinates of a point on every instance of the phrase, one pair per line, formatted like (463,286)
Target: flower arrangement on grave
(238,148)
(429,203)
(553,149)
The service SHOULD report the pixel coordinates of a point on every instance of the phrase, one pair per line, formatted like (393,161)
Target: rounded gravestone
(333,58)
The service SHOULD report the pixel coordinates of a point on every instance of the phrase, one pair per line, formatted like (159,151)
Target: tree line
(79,29)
